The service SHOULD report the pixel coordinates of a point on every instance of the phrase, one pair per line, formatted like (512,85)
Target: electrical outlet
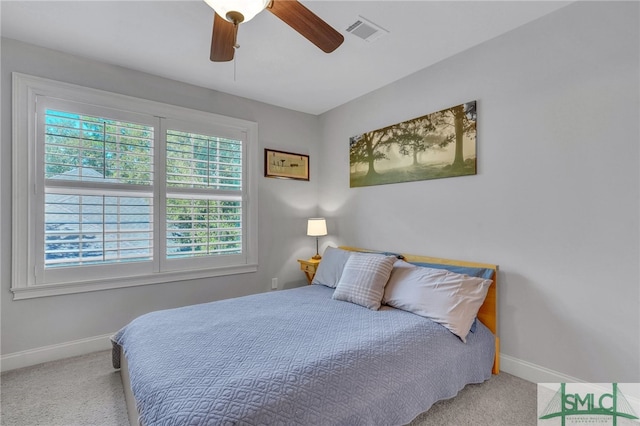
(274,283)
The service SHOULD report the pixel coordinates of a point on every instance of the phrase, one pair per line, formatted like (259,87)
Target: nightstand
(309,267)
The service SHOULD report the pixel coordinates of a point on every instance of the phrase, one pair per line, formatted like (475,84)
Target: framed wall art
(437,145)
(285,165)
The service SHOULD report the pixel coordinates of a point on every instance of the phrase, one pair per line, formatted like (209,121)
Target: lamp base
(316,257)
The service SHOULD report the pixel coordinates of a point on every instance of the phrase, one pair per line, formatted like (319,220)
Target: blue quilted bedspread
(295,357)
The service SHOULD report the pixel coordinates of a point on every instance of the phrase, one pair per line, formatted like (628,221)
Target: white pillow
(363,279)
(331,266)
(445,297)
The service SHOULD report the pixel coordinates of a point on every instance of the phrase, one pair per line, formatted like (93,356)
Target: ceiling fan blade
(307,23)
(223,39)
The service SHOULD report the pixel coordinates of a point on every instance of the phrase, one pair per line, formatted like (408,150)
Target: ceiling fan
(229,15)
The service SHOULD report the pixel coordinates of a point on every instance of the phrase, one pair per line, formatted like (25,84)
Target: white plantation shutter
(200,161)
(91,229)
(122,191)
(204,195)
(203,227)
(209,221)
(93,167)
(97,149)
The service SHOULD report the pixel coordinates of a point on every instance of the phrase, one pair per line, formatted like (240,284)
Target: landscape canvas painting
(437,145)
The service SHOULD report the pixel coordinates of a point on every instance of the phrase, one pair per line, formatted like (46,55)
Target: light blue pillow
(330,267)
(485,273)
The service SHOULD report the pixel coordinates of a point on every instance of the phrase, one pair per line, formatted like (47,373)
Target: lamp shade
(317,227)
(248,8)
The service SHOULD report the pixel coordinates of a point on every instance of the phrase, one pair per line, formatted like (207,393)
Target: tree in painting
(464,123)
(368,148)
(412,136)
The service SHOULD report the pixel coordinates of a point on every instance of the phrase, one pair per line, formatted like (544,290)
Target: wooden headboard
(488,312)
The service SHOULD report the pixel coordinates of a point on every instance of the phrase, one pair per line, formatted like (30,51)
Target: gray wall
(283,206)
(555,200)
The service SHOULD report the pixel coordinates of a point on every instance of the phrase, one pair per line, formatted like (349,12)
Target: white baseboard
(54,352)
(537,374)
(532,372)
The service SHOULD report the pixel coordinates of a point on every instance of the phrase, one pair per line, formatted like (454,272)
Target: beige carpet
(86,391)
(83,391)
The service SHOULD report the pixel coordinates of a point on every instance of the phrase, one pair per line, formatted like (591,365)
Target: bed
(307,355)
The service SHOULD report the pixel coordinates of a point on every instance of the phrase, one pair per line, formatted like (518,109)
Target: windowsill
(96,285)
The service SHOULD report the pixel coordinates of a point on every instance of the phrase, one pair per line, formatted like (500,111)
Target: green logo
(588,405)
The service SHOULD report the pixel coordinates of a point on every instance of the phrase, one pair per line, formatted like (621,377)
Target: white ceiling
(274,64)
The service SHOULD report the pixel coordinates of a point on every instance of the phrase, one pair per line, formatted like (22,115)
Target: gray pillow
(331,266)
(363,279)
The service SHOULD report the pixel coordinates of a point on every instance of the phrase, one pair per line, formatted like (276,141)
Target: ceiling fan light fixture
(247,8)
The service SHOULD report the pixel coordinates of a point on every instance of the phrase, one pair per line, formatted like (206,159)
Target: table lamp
(317,227)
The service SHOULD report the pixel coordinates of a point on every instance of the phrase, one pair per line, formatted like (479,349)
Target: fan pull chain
(236,22)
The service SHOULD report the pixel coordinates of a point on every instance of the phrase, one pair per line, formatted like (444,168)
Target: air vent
(366,30)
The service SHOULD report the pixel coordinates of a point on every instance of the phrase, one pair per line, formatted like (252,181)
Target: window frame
(27,204)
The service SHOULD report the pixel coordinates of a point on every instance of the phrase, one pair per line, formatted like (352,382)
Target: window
(113,191)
